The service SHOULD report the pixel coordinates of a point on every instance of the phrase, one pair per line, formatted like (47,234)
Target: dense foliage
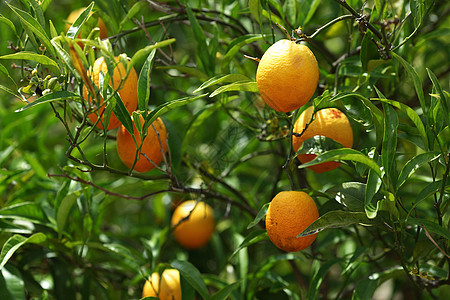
(75,223)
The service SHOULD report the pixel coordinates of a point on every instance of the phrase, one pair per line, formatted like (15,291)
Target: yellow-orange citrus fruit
(287,75)
(167,288)
(154,145)
(195,231)
(73,16)
(127,89)
(290,213)
(328,122)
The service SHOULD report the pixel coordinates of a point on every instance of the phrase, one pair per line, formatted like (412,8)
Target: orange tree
(77,223)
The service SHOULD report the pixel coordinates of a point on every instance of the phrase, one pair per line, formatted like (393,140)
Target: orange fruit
(329,122)
(287,75)
(127,89)
(73,16)
(154,144)
(195,231)
(167,288)
(290,213)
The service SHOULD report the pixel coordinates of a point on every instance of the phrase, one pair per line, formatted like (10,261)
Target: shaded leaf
(261,214)
(27,55)
(17,241)
(252,238)
(144,81)
(337,219)
(55,96)
(430,226)
(168,106)
(318,278)
(33,26)
(222,79)
(344,154)
(245,86)
(192,276)
(413,164)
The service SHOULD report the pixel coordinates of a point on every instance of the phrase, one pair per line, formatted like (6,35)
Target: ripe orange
(73,16)
(168,288)
(196,231)
(329,122)
(287,75)
(154,145)
(127,89)
(290,213)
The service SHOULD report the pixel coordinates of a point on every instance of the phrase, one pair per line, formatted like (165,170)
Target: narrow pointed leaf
(32,25)
(222,79)
(318,278)
(415,78)
(344,154)
(27,55)
(337,219)
(413,164)
(247,86)
(75,28)
(144,82)
(168,106)
(192,275)
(55,96)
(261,214)
(15,242)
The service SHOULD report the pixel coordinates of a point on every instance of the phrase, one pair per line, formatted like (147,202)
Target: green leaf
(144,81)
(244,86)
(236,45)
(413,164)
(38,13)
(17,241)
(222,79)
(33,26)
(318,144)
(318,277)
(120,110)
(223,293)
(168,106)
(417,10)
(442,97)
(371,204)
(261,214)
(364,289)
(24,211)
(337,219)
(413,116)
(11,284)
(430,226)
(144,52)
(389,145)
(416,80)
(252,238)
(10,24)
(135,9)
(311,11)
(55,96)
(350,194)
(344,154)
(27,55)
(64,209)
(206,59)
(377,115)
(192,276)
(255,10)
(75,28)
(191,71)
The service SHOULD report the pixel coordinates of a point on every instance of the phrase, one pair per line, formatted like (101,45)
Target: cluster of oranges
(287,77)
(192,221)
